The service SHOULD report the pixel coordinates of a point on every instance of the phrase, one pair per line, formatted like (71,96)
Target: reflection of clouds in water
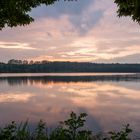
(11,97)
(109,104)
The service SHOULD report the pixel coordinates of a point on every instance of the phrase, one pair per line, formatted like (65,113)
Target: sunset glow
(75,31)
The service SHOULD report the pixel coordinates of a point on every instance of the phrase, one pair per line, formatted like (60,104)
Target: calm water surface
(110,100)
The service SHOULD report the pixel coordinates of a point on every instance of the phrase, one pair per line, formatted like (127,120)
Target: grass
(70,129)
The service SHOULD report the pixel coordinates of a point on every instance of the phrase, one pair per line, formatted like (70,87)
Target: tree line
(56,66)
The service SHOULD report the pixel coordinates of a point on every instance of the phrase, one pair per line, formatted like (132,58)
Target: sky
(86,30)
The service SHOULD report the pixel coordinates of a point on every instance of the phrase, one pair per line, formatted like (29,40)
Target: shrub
(70,129)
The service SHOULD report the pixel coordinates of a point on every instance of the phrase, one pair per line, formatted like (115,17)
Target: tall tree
(16,12)
(129,8)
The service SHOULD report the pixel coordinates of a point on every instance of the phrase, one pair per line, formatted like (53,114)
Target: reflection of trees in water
(56,79)
(17,81)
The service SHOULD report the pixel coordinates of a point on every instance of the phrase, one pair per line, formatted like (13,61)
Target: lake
(110,100)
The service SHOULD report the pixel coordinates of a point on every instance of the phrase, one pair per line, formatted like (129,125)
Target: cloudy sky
(87,30)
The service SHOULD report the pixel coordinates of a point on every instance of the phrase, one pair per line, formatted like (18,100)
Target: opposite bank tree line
(19,66)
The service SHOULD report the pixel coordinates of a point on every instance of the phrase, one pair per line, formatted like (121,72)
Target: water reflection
(19,80)
(110,102)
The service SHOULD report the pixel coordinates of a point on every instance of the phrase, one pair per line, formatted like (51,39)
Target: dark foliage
(46,66)
(16,12)
(129,8)
(71,129)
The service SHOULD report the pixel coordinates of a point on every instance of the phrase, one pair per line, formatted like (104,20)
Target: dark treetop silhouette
(16,12)
(19,66)
(129,8)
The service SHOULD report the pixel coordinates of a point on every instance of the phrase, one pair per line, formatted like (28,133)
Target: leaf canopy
(16,12)
(129,8)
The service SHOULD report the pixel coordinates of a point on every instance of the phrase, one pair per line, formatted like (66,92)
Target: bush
(71,129)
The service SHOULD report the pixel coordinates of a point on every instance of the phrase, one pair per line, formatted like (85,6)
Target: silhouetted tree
(16,12)
(129,8)
(48,66)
